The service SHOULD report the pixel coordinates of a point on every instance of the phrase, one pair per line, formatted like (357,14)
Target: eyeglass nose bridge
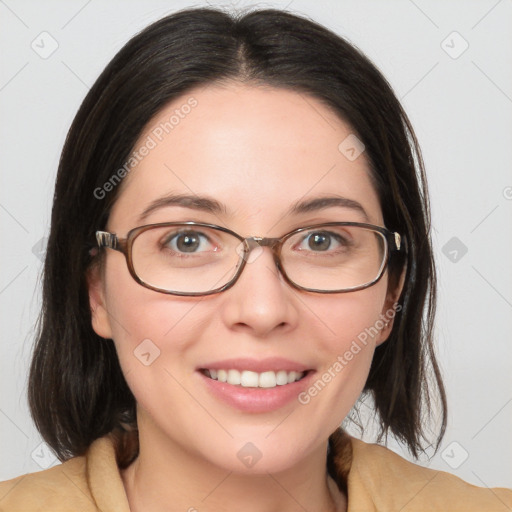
(253,247)
(263,242)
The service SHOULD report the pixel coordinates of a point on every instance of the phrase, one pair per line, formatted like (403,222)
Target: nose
(260,302)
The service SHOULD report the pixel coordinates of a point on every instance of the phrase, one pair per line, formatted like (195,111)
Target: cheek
(143,322)
(155,336)
(350,325)
(352,318)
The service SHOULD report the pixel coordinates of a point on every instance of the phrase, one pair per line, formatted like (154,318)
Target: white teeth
(292,377)
(268,380)
(233,377)
(249,379)
(281,378)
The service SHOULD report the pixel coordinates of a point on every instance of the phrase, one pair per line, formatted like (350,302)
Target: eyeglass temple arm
(397,239)
(106,239)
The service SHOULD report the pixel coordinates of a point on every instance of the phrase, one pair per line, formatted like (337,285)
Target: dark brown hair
(77,391)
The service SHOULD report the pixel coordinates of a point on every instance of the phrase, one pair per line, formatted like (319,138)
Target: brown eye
(319,241)
(187,242)
(323,241)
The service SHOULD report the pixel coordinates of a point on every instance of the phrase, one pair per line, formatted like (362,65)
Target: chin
(258,455)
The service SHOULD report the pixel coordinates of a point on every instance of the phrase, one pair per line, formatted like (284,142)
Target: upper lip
(256,365)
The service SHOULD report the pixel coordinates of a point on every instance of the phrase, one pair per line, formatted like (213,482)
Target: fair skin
(256,150)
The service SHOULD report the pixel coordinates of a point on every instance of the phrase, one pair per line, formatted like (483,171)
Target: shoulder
(383,480)
(87,483)
(61,488)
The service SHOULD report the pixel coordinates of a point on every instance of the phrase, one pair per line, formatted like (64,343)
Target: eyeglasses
(194,258)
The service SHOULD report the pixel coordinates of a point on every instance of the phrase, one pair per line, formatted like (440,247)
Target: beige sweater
(377,479)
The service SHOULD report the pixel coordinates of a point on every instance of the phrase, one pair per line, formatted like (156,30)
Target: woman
(239,248)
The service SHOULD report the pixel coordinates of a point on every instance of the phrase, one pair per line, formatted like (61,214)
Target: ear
(391,307)
(99,314)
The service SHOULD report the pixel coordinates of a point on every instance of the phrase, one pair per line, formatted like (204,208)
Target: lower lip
(257,399)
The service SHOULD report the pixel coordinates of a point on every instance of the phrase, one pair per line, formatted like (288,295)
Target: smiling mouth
(249,379)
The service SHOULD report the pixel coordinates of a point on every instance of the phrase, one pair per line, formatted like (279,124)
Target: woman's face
(257,152)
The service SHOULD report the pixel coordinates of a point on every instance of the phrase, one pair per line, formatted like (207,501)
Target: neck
(168,477)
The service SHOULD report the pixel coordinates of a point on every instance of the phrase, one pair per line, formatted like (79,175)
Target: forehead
(255,149)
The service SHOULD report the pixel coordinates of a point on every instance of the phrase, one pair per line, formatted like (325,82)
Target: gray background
(460,103)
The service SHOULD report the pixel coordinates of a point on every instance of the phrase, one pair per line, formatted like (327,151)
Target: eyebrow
(209,205)
(193,202)
(322,203)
